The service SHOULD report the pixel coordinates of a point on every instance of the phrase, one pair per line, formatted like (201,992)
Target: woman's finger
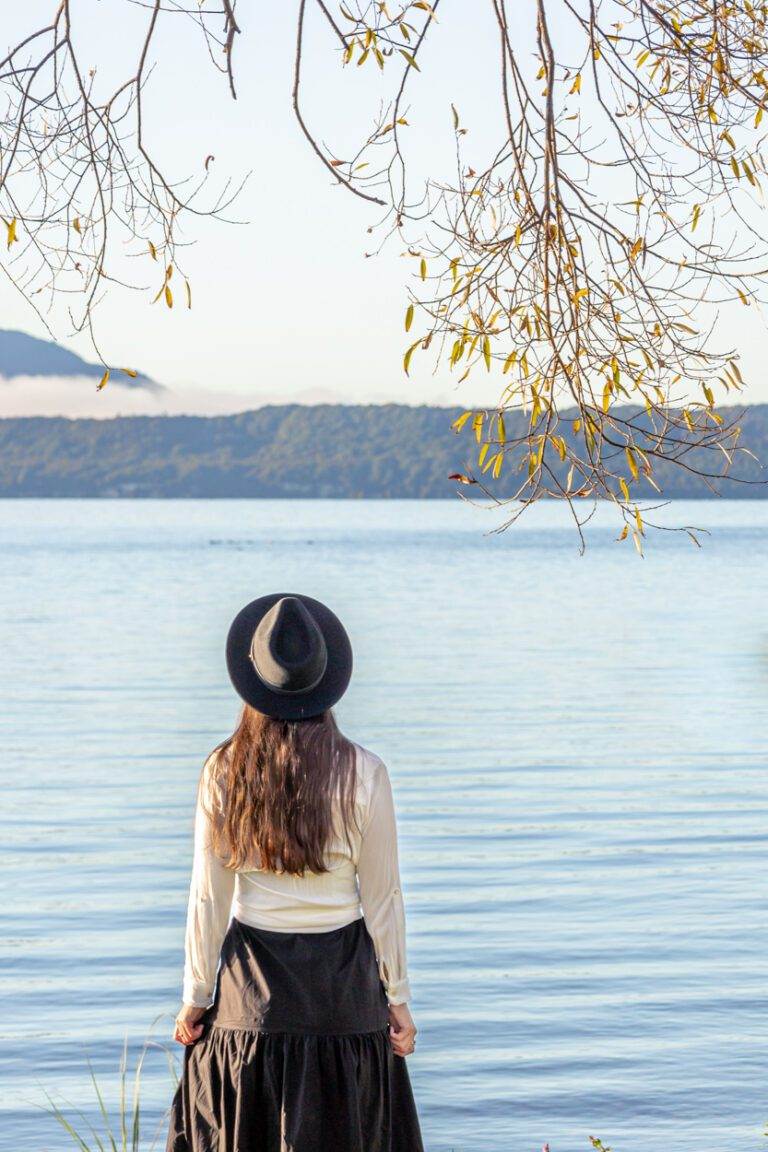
(185,1035)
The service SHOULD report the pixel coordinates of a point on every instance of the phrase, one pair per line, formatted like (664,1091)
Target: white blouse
(361,880)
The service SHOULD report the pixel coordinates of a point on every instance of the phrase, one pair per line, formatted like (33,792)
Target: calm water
(578,748)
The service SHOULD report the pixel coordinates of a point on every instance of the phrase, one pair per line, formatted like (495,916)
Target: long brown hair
(278,781)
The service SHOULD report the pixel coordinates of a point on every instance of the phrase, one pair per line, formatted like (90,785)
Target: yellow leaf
(168,296)
(423,269)
(624,488)
(483,454)
(130,372)
(606,397)
(709,395)
(408,317)
(152,250)
(577,426)
(624,533)
(696,215)
(76,226)
(363,57)
(509,361)
(712,114)
(579,294)
(758,116)
(11,227)
(497,466)
(487,353)
(576,86)
(459,423)
(409,353)
(411,60)
(502,429)
(103,382)
(632,462)
(477,424)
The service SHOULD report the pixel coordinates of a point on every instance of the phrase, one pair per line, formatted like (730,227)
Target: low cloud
(76,397)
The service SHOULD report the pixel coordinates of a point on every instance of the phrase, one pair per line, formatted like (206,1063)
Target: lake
(578,750)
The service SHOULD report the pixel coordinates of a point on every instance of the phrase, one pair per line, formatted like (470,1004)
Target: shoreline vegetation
(389,451)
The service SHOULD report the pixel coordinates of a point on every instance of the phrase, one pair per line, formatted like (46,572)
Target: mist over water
(578,750)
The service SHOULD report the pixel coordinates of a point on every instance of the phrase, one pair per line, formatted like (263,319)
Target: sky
(286,304)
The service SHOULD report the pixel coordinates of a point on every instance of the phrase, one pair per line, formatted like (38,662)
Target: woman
(297,1043)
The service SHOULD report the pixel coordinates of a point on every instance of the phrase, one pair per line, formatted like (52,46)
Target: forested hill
(280,451)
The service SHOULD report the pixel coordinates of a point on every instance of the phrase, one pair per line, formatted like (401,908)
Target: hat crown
(288,649)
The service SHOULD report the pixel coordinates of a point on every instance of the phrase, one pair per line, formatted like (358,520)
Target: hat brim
(282,705)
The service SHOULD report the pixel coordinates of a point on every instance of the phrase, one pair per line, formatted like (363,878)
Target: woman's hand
(187,1029)
(402,1030)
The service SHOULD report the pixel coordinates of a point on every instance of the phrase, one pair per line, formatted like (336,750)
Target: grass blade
(102,1107)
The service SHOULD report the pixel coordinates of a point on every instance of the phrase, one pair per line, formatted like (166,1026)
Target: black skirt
(295,1053)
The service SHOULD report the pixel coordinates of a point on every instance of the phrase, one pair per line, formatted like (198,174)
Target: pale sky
(286,305)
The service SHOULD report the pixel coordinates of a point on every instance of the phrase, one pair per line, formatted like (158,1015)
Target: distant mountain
(326,450)
(23,355)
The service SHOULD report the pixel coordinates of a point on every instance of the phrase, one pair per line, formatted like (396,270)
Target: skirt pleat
(263,1078)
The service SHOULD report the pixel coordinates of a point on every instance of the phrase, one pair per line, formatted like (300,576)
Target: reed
(120,1131)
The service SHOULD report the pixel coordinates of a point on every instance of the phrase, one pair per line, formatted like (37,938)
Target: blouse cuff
(399,993)
(196,995)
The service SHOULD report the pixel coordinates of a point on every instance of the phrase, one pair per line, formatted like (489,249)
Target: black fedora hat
(289,656)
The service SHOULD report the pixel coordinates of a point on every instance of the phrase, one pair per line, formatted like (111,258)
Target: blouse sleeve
(381,897)
(210,900)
